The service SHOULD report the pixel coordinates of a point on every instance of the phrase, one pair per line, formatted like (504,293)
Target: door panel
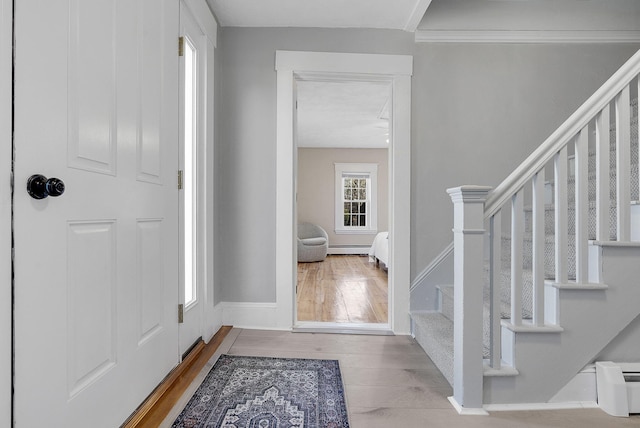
(92,86)
(96,268)
(91,302)
(149,39)
(149,284)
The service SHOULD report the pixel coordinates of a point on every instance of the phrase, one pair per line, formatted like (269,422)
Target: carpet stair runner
(434,330)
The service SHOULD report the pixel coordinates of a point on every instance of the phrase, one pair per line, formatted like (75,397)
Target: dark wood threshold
(158,405)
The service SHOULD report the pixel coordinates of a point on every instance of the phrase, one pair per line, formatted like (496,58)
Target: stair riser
(435,336)
(549,221)
(446,303)
(549,256)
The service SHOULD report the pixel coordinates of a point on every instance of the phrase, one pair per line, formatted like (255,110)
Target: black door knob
(39,187)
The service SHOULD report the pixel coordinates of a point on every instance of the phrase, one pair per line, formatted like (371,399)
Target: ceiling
(438,14)
(343,114)
(389,14)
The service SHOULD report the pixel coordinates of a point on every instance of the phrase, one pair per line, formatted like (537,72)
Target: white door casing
(195,41)
(6,59)
(95,268)
(398,70)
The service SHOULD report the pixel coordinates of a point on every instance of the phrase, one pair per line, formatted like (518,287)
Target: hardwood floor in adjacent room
(342,289)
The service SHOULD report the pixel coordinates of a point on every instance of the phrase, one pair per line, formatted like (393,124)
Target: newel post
(468,236)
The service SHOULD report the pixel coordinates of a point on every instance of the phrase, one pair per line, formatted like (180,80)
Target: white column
(468,232)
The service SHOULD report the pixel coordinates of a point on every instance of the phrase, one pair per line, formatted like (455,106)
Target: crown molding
(527,36)
(416,15)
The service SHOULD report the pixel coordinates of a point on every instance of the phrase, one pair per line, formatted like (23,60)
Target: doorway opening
(342,140)
(396,71)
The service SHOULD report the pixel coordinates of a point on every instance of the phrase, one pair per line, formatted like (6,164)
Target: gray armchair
(313,243)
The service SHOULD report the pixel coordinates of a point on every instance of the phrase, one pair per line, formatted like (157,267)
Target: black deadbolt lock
(39,187)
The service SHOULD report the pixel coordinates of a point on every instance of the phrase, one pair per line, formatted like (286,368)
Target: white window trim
(370,169)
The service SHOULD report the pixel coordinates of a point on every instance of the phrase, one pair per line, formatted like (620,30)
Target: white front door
(191,155)
(96,268)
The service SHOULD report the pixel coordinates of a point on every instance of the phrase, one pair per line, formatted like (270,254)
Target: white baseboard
(253,315)
(540,406)
(354,250)
(467,411)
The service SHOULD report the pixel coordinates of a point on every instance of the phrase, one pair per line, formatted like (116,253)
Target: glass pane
(189,173)
(363,183)
(354,208)
(347,207)
(363,207)
(347,194)
(363,194)
(363,220)
(347,220)
(354,220)
(347,182)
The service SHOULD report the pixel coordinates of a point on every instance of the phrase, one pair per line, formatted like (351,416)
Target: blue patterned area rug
(258,392)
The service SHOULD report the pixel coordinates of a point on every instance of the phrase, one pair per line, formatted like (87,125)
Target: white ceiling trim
(416,15)
(527,36)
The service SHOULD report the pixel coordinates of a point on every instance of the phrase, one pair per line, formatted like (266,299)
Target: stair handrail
(563,135)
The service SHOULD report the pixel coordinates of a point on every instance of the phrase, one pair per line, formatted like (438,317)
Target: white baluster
(561,224)
(517,233)
(603,197)
(495,268)
(582,204)
(538,247)
(638,130)
(623,176)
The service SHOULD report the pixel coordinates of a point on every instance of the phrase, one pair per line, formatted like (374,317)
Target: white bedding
(380,248)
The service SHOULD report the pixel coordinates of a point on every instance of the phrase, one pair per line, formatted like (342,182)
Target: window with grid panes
(355,198)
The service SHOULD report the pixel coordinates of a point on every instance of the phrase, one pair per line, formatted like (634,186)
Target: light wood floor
(342,289)
(390,382)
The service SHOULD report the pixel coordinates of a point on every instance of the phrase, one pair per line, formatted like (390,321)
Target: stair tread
(572,285)
(528,327)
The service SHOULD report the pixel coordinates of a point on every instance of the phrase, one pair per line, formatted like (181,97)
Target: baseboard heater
(618,386)
(349,249)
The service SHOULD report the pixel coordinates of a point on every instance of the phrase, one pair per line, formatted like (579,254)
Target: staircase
(555,261)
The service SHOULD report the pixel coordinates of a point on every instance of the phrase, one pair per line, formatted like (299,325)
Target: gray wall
(478,111)
(316,189)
